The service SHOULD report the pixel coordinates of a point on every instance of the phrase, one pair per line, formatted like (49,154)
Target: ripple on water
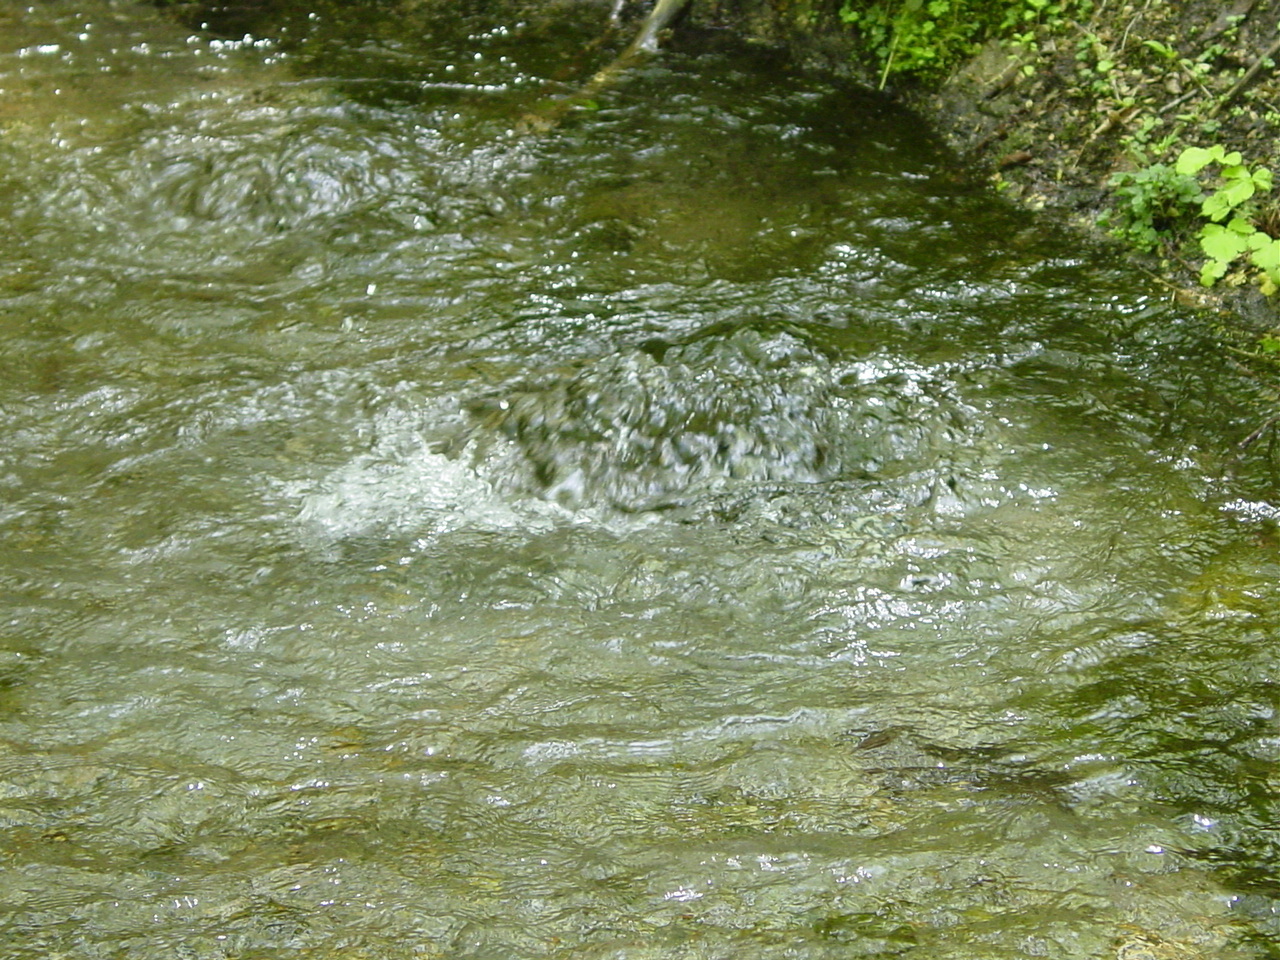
(709,528)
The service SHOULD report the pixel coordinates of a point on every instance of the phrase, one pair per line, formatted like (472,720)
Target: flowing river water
(709,526)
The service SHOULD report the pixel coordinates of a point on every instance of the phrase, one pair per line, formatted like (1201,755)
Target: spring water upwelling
(710,527)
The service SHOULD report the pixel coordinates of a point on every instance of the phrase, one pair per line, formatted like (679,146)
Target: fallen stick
(1244,81)
(645,44)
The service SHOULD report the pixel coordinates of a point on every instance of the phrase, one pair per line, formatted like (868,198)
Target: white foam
(402,486)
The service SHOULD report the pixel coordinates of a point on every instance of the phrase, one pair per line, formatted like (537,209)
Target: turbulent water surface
(706,524)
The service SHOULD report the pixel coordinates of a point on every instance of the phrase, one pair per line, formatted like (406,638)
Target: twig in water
(1253,438)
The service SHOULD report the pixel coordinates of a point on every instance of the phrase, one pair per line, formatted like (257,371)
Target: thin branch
(1258,65)
(1253,438)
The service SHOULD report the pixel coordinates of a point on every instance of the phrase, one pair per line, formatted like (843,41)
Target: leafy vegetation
(1231,210)
(1152,204)
(1175,96)
(1158,206)
(925,38)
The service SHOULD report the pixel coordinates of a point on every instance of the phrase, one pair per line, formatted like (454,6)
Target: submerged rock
(650,426)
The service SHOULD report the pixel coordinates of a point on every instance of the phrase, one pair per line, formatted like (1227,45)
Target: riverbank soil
(1057,117)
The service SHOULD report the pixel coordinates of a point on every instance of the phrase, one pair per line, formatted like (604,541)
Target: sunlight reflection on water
(698,531)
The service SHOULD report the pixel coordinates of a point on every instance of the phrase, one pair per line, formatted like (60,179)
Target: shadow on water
(713,527)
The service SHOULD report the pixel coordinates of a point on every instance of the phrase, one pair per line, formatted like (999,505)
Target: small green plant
(1094,65)
(1231,209)
(1158,204)
(1153,204)
(1165,51)
(1239,183)
(1142,143)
